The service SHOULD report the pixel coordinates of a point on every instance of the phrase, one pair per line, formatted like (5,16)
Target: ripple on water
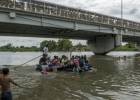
(90,96)
(26,77)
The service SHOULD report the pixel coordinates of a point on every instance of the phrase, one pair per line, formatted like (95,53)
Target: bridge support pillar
(104,43)
(137,45)
(118,40)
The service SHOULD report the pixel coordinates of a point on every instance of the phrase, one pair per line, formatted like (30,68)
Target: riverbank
(128,47)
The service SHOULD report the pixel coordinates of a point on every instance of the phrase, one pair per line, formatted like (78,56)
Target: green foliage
(127,47)
(64,45)
(130,45)
(80,47)
(50,44)
(43,44)
(9,47)
(61,45)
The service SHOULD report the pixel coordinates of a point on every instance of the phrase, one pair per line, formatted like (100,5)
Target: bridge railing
(69,13)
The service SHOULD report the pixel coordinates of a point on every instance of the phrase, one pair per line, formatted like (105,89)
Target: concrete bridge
(43,19)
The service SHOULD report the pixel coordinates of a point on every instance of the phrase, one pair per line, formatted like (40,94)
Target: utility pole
(121,20)
(122,11)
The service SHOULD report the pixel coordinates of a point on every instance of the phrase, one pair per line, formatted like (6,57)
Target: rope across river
(27,62)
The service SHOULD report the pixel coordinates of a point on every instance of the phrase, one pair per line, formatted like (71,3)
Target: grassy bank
(126,48)
(26,49)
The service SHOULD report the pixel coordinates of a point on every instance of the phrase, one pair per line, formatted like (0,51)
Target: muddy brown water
(116,79)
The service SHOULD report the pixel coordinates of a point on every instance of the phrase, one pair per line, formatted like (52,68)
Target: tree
(22,47)
(52,45)
(81,47)
(8,46)
(64,45)
(131,45)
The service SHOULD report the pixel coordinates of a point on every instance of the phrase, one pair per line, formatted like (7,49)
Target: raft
(68,68)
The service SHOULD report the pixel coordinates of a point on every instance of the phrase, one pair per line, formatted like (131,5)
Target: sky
(131,11)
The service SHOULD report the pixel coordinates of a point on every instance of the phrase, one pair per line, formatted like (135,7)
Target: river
(117,78)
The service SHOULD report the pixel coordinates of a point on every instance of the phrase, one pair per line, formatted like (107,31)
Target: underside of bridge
(99,43)
(134,39)
(7,29)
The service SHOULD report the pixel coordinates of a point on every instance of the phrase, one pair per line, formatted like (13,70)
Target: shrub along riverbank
(127,47)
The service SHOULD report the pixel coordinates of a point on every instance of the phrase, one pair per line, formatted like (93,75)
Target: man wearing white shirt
(45,50)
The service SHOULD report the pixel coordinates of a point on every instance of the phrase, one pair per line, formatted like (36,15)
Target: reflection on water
(121,54)
(116,79)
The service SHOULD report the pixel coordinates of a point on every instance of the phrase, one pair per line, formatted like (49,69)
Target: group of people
(75,63)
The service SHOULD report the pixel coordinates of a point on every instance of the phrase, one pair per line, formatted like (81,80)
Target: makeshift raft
(69,68)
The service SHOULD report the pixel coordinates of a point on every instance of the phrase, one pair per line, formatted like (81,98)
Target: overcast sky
(131,10)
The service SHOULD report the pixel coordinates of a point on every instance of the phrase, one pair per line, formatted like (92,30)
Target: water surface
(117,78)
